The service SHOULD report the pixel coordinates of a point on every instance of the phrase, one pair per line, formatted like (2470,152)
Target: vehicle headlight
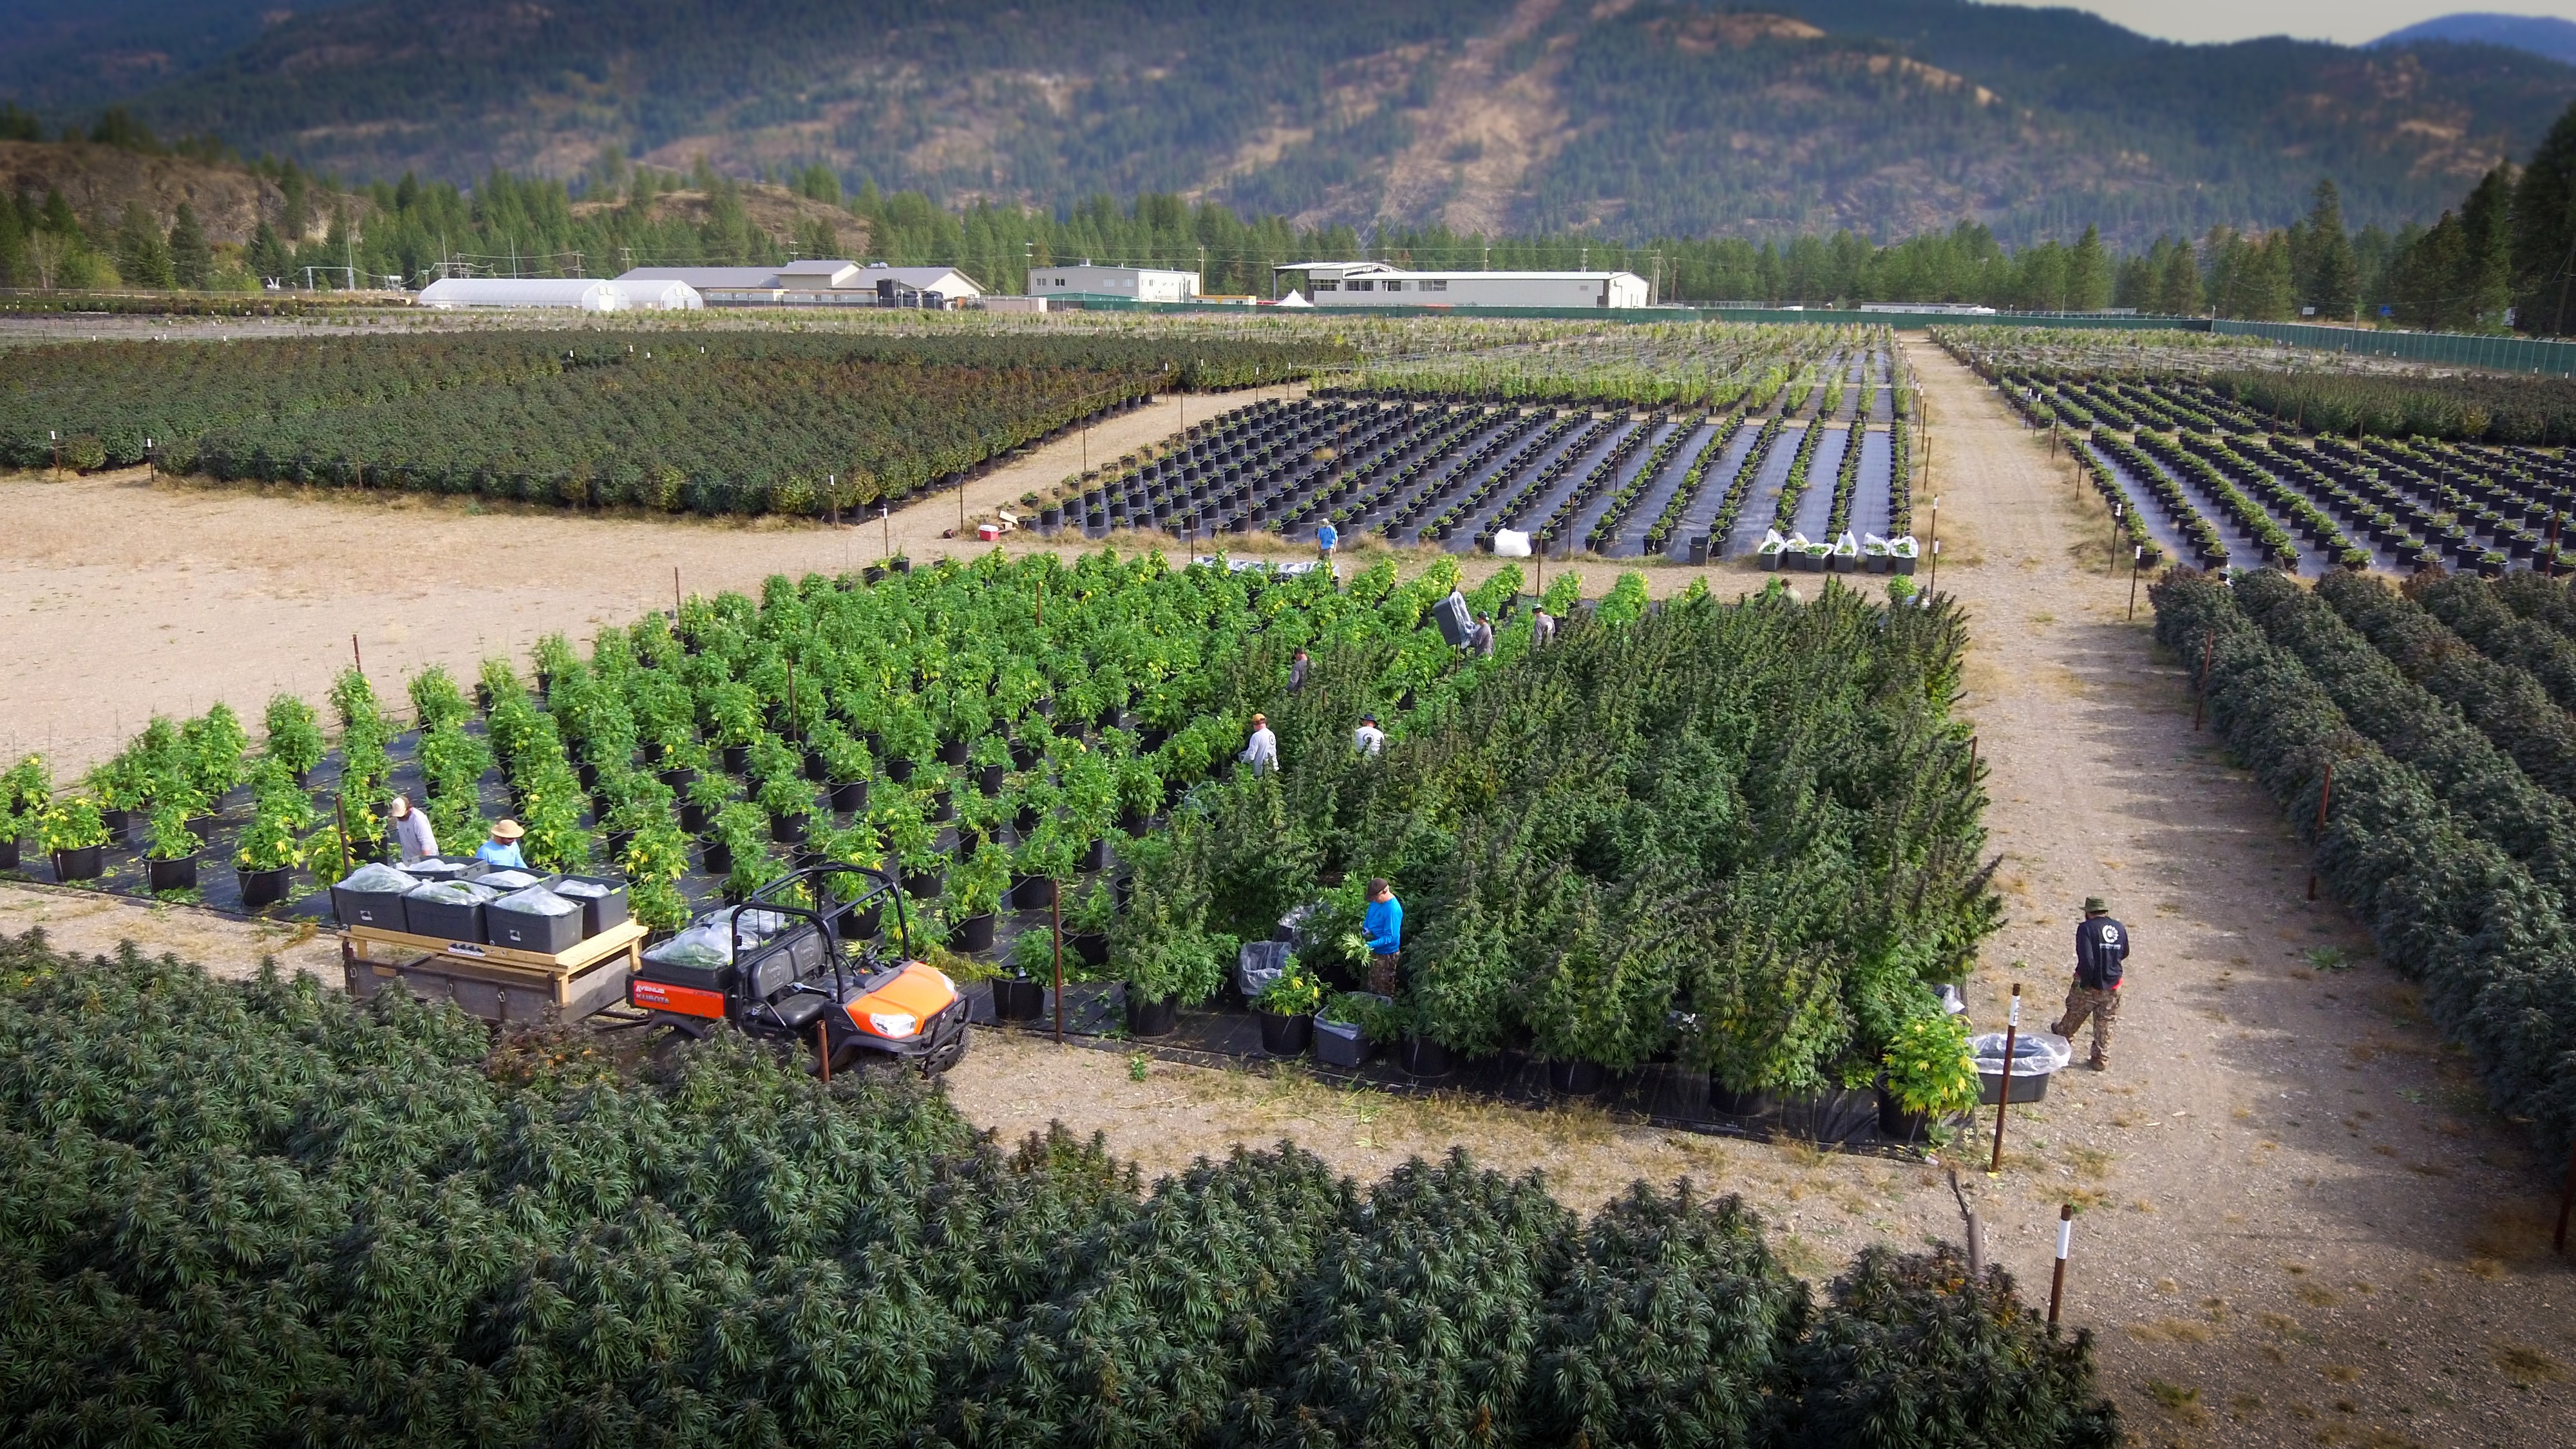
(893,1023)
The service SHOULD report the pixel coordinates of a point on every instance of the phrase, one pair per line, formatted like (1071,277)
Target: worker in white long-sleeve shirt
(1261,752)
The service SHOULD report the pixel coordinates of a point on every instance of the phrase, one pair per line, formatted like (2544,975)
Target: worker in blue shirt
(1383,928)
(501,852)
(1325,538)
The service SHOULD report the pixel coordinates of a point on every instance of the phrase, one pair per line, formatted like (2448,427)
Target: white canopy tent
(585,294)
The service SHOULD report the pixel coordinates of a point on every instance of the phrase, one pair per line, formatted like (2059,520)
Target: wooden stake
(823,1054)
(675,593)
(2065,1240)
(2137,555)
(2324,794)
(357,658)
(1057,911)
(2003,1097)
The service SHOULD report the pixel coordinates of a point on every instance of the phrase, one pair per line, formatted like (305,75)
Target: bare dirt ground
(2299,1225)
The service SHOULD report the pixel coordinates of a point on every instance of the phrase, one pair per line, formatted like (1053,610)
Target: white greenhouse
(585,294)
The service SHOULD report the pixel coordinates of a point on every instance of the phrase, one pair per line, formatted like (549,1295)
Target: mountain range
(2546,36)
(1628,118)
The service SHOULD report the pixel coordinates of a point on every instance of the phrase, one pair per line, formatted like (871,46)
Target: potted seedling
(294,736)
(733,721)
(789,801)
(974,893)
(1930,1078)
(170,854)
(11,827)
(737,829)
(1021,996)
(1286,1009)
(847,768)
(703,799)
(682,760)
(1087,923)
(75,837)
(267,855)
(989,760)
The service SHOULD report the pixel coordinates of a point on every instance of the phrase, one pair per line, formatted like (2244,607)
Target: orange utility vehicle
(788,971)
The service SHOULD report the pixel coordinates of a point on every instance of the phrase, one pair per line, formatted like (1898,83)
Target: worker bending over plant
(1383,928)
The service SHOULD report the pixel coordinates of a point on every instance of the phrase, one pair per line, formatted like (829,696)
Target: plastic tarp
(701,947)
(456,893)
(1511,543)
(377,878)
(2035,1053)
(588,890)
(1257,965)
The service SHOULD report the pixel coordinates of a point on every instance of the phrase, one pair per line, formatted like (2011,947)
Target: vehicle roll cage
(767,897)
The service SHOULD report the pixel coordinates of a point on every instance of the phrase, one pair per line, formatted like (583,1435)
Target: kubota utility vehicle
(777,967)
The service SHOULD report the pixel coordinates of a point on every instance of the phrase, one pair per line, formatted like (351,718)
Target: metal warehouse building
(1143,284)
(1377,284)
(820,283)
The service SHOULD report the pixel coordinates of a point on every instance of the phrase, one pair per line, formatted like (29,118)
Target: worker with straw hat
(501,852)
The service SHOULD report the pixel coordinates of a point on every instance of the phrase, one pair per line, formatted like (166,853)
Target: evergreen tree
(192,261)
(2178,285)
(142,256)
(295,217)
(2428,274)
(2483,282)
(268,256)
(2329,277)
(2544,233)
(2088,273)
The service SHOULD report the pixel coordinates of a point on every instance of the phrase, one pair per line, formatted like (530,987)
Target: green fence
(2509,354)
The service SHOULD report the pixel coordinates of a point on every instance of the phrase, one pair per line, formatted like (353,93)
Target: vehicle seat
(797,1010)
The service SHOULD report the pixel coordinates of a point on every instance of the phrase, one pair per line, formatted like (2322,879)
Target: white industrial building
(822,282)
(587,294)
(1378,284)
(1141,284)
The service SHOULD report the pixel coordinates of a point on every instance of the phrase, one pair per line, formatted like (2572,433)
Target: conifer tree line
(2507,251)
(262,1214)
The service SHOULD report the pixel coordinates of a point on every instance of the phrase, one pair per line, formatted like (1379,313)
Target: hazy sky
(2349,21)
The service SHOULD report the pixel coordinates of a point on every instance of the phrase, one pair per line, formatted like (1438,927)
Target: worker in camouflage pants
(2101,948)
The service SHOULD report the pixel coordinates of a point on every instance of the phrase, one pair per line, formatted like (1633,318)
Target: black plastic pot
(1018,999)
(850,796)
(1576,1079)
(787,829)
(924,883)
(1152,1018)
(172,875)
(117,823)
(202,826)
(989,780)
(1740,1104)
(737,758)
(1032,892)
(1425,1058)
(1023,756)
(899,770)
(1096,855)
(83,863)
(1285,1036)
(618,843)
(9,854)
(1091,946)
(716,857)
(952,753)
(817,769)
(264,887)
(943,806)
(1133,822)
(975,933)
(859,925)
(694,817)
(680,777)
(1898,1125)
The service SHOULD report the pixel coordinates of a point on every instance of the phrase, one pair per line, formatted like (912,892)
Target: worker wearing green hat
(2101,949)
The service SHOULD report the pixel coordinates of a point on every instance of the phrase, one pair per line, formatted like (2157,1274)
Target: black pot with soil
(787,829)
(975,933)
(1032,892)
(1152,1018)
(1426,1058)
(1732,1103)
(1898,1125)
(1576,1079)
(171,875)
(264,887)
(737,758)
(85,862)
(922,884)
(1285,1034)
(849,797)
(1017,998)
(860,925)
(715,857)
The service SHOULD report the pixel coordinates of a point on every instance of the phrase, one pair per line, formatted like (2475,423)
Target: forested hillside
(1888,116)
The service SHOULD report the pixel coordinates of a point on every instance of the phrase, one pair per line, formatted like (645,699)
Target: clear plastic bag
(538,901)
(377,878)
(588,890)
(2035,1053)
(702,946)
(509,880)
(456,893)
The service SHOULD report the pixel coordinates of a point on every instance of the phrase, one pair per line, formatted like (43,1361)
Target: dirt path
(127,597)
(2303,1222)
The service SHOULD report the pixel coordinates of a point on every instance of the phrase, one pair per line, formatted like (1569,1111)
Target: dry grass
(2170,1330)
(2524,1364)
(2182,1403)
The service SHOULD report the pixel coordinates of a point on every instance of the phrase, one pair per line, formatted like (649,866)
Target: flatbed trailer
(496,983)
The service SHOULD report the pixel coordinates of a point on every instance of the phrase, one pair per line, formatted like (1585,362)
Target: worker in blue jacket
(1383,928)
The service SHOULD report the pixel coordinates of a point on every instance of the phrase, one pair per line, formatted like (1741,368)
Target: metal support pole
(2003,1097)
(2065,1240)
(823,1055)
(2137,555)
(675,593)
